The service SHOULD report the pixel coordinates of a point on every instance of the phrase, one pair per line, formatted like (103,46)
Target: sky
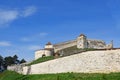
(27,25)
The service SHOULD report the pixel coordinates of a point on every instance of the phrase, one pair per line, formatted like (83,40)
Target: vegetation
(9,75)
(43,59)
(8,61)
(89,49)
(67,51)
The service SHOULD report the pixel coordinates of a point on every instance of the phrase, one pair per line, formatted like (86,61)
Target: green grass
(43,59)
(9,75)
(67,52)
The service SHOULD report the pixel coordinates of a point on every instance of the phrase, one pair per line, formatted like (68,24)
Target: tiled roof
(49,43)
(82,35)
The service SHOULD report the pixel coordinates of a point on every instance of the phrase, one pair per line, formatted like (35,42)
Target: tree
(1,60)
(8,61)
(15,59)
(22,61)
(1,63)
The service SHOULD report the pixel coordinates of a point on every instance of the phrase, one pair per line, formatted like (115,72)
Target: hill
(10,75)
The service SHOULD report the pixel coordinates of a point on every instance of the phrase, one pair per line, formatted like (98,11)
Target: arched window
(43,55)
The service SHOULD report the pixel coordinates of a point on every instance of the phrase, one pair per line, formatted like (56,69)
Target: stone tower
(82,41)
(49,46)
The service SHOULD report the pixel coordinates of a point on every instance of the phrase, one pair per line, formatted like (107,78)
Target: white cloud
(34,37)
(29,11)
(34,47)
(5,43)
(7,16)
(43,34)
(25,39)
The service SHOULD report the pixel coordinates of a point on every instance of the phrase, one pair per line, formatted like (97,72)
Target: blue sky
(26,25)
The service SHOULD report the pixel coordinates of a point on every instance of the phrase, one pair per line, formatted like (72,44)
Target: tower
(49,46)
(82,41)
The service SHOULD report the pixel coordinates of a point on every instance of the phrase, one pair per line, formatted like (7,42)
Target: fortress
(103,59)
(81,42)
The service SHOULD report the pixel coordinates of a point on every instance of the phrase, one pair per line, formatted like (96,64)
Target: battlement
(96,40)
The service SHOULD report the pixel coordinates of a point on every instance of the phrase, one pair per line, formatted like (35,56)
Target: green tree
(1,63)
(15,59)
(8,61)
(22,61)
(1,60)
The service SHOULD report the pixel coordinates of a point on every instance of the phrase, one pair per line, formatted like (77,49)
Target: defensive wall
(86,62)
(104,61)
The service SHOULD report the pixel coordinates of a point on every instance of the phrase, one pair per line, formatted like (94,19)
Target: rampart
(86,62)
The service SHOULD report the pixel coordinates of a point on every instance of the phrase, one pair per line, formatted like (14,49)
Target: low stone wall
(17,68)
(87,62)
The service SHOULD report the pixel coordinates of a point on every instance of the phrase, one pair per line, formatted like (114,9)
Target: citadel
(81,42)
(70,56)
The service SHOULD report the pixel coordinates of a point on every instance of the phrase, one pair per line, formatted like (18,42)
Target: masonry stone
(86,62)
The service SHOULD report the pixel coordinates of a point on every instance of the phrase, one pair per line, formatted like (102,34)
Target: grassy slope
(42,60)
(68,51)
(9,75)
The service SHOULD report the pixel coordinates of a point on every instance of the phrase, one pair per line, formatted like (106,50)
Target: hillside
(9,75)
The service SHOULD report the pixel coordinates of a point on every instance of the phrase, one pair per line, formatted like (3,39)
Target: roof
(82,35)
(49,43)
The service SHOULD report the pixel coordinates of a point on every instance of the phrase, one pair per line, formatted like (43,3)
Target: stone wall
(41,53)
(17,68)
(82,43)
(97,44)
(86,62)
(64,45)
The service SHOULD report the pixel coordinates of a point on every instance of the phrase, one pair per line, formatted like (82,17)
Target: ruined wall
(64,45)
(97,44)
(88,43)
(87,62)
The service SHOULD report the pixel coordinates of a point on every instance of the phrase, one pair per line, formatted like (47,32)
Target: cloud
(5,44)
(34,37)
(25,39)
(8,16)
(29,11)
(43,34)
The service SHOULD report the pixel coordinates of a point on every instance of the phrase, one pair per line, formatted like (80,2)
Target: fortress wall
(86,62)
(98,44)
(40,53)
(64,45)
(18,68)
